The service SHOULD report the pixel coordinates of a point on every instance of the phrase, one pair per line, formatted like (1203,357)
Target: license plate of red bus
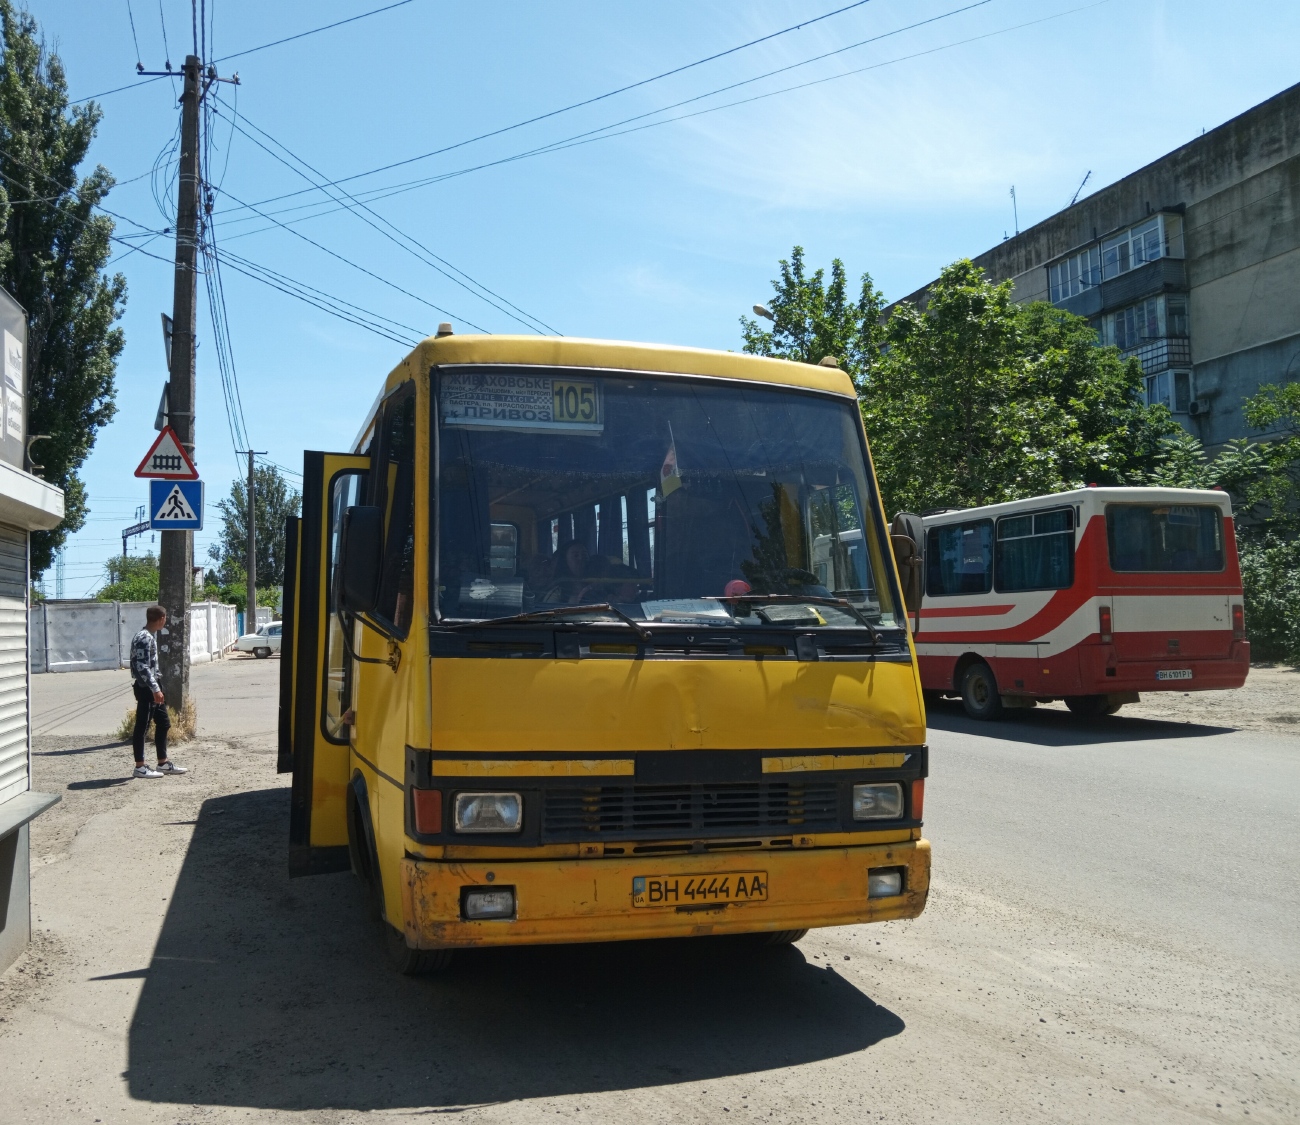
(1174,674)
(693,890)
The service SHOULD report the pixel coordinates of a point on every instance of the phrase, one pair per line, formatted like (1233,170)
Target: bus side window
(959,559)
(393,480)
(1036,551)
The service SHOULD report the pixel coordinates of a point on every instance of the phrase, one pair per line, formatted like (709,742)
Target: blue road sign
(176,505)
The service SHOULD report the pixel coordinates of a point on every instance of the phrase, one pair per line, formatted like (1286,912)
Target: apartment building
(1191,264)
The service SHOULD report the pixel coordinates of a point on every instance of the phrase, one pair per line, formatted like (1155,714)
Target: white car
(262,643)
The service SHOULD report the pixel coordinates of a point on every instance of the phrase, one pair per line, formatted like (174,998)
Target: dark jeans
(146,709)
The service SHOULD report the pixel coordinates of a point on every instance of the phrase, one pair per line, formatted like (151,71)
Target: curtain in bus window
(1036,551)
(1164,537)
(959,559)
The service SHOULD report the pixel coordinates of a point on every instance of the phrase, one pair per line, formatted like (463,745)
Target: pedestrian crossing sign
(176,505)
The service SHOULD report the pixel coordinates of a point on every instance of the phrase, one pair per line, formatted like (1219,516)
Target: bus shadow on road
(268,993)
(1046,727)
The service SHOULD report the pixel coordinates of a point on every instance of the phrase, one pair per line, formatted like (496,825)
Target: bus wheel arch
(960,669)
(979,691)
(365,864)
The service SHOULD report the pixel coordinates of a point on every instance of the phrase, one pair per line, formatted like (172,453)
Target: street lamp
(765,312)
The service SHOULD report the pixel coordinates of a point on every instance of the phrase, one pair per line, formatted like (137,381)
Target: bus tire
(1091,706)
(979,692)
(784,937)
(413,962)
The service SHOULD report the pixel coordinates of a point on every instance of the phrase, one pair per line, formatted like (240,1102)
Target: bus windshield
(676,500)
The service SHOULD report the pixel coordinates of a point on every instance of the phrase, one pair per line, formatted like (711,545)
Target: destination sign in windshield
(510,400)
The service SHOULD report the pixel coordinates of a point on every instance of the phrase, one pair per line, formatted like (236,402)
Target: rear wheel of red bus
(979,692)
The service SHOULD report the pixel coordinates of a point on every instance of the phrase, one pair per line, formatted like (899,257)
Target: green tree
(130,579)
(52,255)
(275,502)
(813,319)
(977,400)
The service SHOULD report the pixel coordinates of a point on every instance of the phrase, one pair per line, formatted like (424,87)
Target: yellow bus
(589,641)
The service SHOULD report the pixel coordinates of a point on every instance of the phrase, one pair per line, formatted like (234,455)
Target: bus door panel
(319,672)
(288,644)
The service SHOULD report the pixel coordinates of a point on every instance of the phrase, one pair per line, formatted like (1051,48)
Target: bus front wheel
(1091,706)
(979,692)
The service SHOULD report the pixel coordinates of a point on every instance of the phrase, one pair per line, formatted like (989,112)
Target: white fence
(81,636)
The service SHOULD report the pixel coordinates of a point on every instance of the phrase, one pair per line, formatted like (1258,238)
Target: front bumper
(577,900)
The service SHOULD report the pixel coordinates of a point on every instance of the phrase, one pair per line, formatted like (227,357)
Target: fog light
(885,882)
(480,903)
(489,812)
(878,802)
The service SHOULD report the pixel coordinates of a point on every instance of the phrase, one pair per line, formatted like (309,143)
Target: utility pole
(250,612)
(176,554)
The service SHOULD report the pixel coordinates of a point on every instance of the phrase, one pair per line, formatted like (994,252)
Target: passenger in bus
(572,567)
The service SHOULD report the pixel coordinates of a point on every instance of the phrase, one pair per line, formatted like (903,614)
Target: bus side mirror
(908,559)
(907,533)
(360,559)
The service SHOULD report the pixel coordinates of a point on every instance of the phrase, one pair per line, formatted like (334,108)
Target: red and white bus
(1090,596)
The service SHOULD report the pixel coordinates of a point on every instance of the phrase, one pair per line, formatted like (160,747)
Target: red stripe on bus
(968,611)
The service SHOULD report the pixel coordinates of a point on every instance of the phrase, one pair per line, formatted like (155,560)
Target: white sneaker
(145,771)
(172,767)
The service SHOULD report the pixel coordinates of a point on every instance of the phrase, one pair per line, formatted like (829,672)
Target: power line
(592,100)
(407,242)
(313,31)
(166,46)
(603,134)
(356,266)
(134,38)
(595,134)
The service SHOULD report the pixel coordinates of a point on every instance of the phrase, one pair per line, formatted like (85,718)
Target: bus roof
(1092,498)
(617,355)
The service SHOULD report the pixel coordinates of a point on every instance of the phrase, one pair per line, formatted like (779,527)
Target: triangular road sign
(167,459)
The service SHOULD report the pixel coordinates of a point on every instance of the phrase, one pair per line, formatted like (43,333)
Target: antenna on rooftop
(1076,194)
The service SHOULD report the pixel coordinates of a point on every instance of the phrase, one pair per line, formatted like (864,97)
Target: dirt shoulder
(1269,701)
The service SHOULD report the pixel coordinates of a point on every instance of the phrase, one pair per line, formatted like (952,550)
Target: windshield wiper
(558,611)
(802,599)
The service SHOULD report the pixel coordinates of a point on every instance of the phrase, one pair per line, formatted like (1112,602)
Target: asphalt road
(1111,936)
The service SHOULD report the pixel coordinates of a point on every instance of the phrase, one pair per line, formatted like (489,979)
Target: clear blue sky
(665,234)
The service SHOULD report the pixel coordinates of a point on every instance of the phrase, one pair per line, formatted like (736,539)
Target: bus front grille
(659,811)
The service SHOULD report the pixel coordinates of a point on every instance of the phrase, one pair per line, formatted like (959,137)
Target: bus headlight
(489,812)
(878,802)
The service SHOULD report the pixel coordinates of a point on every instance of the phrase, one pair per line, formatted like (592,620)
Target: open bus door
(314,672)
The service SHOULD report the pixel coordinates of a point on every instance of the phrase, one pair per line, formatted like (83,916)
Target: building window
(1159,237)
(1171,389)
(1151,319)
(1074,274)
(1176,316)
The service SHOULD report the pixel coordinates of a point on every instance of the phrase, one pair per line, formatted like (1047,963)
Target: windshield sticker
(686,611)
(505,400)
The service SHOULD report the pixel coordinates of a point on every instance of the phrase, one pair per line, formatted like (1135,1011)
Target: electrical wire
(356,266)
(589,101)
(134,38)
(604,133)
(399,237)
(570,141)
(166,46)
(313,31)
